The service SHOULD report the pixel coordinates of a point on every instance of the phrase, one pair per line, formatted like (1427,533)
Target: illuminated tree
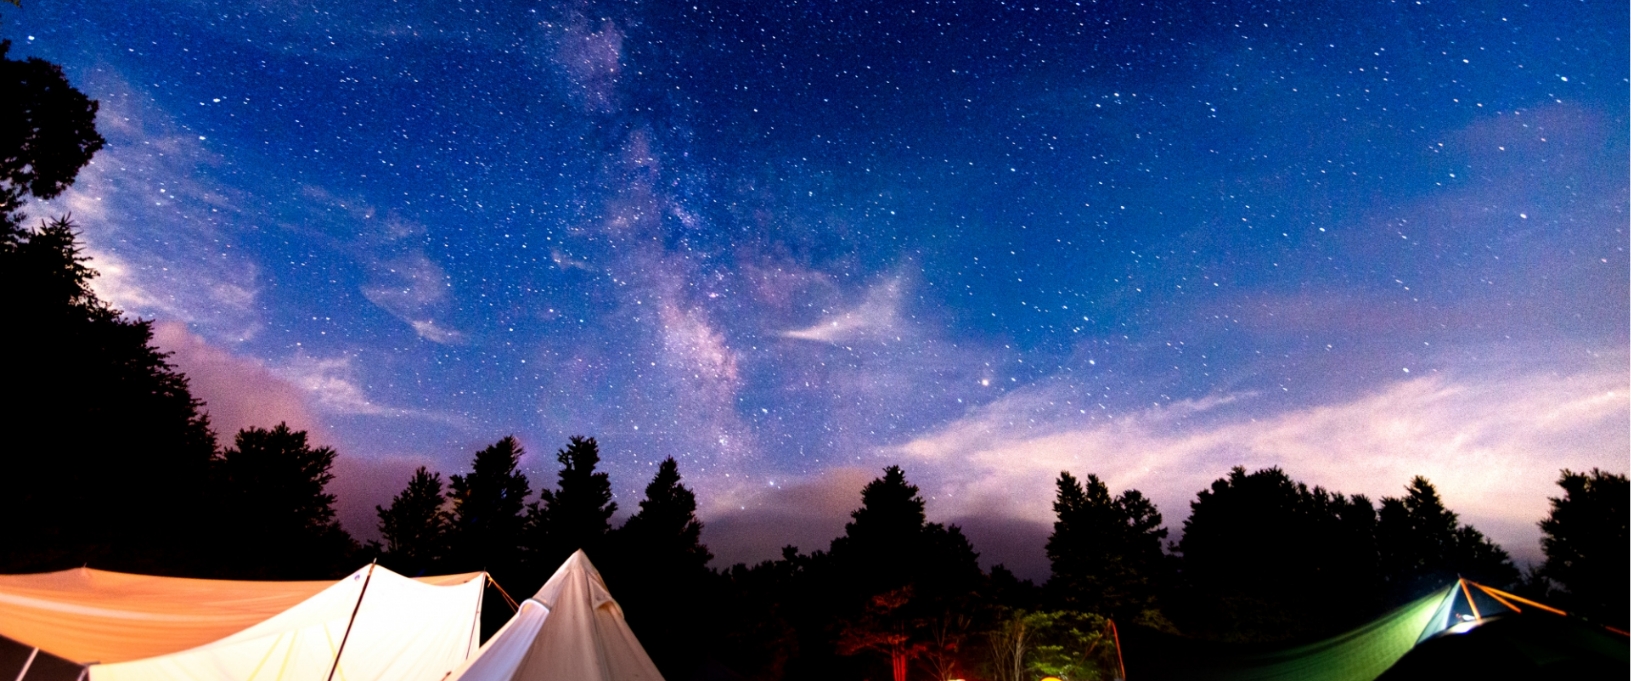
(885,627)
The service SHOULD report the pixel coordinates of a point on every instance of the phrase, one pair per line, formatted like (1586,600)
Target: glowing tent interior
(571,630)
(1385,647)
(373,624)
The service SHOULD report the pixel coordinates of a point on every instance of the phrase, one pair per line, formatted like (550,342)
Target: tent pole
(353,619)
(1476,617)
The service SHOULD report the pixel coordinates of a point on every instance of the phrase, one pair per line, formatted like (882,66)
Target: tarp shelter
(1363,654)
(571,630)
(124,627)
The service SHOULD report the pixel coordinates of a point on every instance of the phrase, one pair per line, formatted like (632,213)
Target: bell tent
(571,630)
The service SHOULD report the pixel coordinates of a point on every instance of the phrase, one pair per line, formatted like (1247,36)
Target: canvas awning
(137,627)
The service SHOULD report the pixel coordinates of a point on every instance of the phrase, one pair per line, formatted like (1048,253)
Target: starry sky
(791,242)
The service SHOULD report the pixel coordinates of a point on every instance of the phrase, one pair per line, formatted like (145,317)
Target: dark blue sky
(791,242)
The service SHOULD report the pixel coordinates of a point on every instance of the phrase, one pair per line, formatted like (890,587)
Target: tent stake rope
(352,621)
(31,655)
(515,607)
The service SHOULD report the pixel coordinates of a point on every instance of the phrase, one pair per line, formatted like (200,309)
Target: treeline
(110,462)
(1262,558)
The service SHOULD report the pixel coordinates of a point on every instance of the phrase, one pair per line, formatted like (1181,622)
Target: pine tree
(658,567)
(488,505)
(575,516)
(1585,543)
(107,450)
(276,518)
(889,550)
(666,528)
(1422,545)
(415,527)
(1105,552)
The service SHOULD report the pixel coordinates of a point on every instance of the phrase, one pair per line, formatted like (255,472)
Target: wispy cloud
(334,387)
(1492,444)
(877,317)
(158,230)
(414,289)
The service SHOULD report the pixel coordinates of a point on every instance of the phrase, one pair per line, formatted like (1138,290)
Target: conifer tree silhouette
(488,505)
(274,512)
(576,515)
(415,526)
(1585,543)
(1105,552)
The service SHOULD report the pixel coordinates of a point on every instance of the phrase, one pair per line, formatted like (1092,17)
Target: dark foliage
(1105,552)
(575,516)
(889,545)
(1422,545)
(1586,544)
(47,129)
(1255,545)
(888,550)
(108,452)
(658,567)
(415,527)
(273,517)
(488,506)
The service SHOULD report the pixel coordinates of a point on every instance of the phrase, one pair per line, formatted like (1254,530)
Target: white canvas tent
(143,628)
(571,630)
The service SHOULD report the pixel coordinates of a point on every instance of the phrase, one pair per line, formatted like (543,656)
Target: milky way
(789,243)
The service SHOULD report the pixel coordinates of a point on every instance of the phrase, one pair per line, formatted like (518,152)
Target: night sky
(789,243)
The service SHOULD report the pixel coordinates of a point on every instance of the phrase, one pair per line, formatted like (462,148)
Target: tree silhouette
(1254,546)
(415,527)
(666,527)
(107,452)
(487,519)
(1105,552)
(887,548)
(658,567)
(1585,544)
(47,130)
(575,516)
(888,544)
(275,517)
(1422,545)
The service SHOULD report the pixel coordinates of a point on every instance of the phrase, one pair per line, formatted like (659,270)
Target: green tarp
(1358,655)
